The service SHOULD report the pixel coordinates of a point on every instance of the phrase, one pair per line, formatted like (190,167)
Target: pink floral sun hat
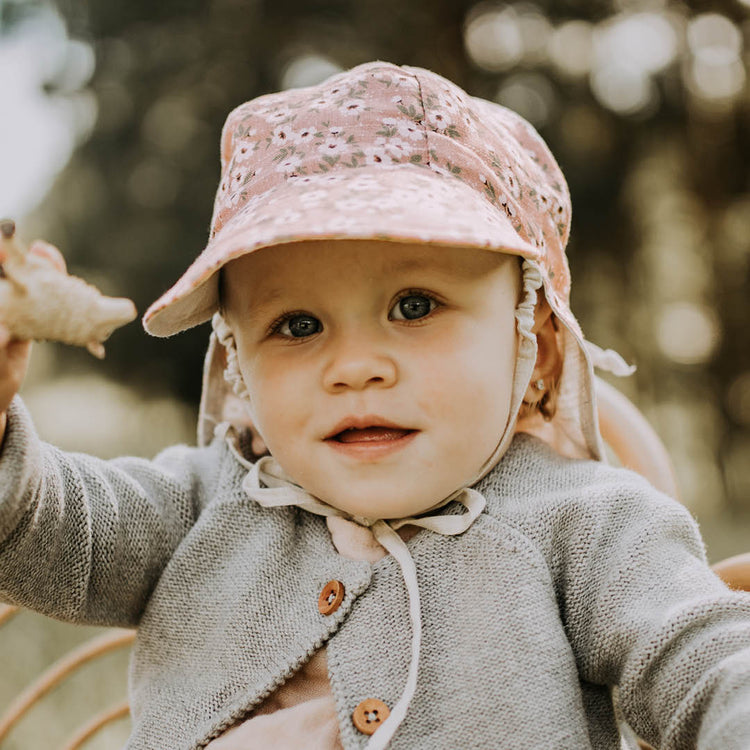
(392,153)
(380,151)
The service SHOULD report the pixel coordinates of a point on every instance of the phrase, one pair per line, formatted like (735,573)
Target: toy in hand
(39,300)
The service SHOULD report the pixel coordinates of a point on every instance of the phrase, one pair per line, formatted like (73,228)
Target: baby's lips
(368,434)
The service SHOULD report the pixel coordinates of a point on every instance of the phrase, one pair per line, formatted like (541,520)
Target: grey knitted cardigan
(577,577)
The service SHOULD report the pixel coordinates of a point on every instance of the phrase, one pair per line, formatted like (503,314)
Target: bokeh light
(687,333)
(623,88)
(529,94)
(493,37)
(307,70)
(640,41)
(716,73)
(535,30)
(571,48)
(714,37)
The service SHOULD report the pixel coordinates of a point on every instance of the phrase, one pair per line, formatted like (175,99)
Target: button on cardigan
(578,577)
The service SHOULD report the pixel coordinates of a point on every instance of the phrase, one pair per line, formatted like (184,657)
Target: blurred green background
(111,114)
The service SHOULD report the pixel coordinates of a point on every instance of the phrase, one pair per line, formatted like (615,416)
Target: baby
(409,566)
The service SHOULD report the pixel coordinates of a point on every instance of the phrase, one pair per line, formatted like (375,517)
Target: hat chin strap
(525,364)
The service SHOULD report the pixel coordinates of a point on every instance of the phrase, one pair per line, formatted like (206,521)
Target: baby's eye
(412,307)
(299,326)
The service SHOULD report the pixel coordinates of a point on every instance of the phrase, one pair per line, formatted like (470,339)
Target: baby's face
(379,374)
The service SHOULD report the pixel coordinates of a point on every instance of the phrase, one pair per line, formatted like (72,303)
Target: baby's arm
(646,613)
(86,540)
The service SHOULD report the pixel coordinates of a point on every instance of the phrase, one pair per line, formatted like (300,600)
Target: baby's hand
(14,354)
(14,361)
(49,253)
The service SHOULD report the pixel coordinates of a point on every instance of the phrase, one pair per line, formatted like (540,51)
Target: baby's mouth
(370,434)
(369,438)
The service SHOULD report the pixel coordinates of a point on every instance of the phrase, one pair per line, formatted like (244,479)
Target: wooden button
(330,597)
(369,715)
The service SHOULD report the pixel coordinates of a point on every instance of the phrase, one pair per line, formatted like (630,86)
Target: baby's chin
(383,492)
(387,504)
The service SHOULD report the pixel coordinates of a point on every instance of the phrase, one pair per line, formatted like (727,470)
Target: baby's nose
(360,368)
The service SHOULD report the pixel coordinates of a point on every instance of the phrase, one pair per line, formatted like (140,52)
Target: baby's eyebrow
(408,264)
(261,303)
(267,297)
(432,266)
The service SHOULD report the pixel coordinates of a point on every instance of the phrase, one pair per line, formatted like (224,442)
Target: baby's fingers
(48,252)
(14,361)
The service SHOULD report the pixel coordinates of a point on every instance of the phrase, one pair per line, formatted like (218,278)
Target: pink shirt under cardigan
(302,712)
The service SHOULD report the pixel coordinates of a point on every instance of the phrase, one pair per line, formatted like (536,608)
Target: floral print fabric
(386,152)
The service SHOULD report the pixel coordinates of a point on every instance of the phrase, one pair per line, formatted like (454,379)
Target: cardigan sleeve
(644,612)
(85,540)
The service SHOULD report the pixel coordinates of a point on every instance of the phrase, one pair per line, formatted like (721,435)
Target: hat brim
(401,203)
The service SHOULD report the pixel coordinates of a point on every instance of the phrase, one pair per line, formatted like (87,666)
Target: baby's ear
(544,379)
(548,355)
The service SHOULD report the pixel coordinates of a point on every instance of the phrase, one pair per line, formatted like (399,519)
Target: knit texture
(577,577)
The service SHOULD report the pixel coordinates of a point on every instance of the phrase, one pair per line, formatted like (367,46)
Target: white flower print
(322,102)
(263,218)
(301,137)
(288,216)
(366,183)
(244,151)
(281,135)
(356,204)
(439,119)
(339,222)
(352,107)
(377,155)
(441,170)
(327,99)
(409,130)
(514,185)
(236,198)
(445,101)
(290,164)
(313,197)
(277,116)
(397,148)
(239,178)
(557,211)
(333,147)
(398,199)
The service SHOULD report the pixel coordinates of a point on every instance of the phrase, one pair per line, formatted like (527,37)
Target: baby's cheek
(486,417)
